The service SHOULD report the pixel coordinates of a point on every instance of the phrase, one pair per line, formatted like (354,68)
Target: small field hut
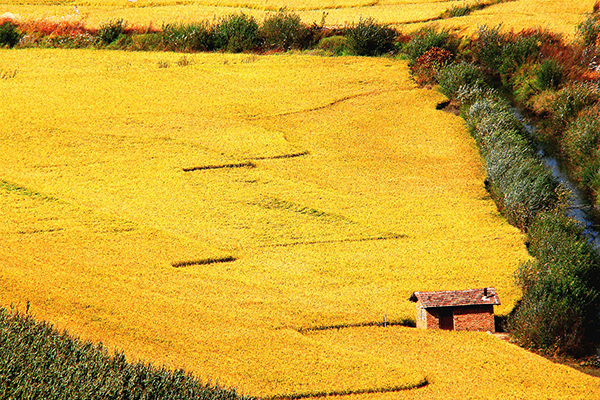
(459,310)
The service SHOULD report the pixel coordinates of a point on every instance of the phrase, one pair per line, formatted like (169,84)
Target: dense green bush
(111,30)
(9,34)
(503,54)
(284,31)
(517,51)
(581,146)
(237,33)
(428,38)
(37,362)
(570,100)
(549,74)
(198,36)
(488,48)
(560,305)
(453,76)
(368,38)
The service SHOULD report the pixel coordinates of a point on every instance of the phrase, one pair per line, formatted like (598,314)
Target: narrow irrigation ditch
(579,208)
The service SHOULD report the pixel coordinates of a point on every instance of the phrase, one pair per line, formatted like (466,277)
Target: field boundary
(205,261)
(407,322)
(368,239)
(220,166)
(390,389)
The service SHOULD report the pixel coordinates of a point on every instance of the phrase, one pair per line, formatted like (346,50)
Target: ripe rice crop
(465,365)
(387,198)
(408,15)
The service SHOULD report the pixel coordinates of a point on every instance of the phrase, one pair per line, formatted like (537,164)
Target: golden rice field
(333,182)
(557,15)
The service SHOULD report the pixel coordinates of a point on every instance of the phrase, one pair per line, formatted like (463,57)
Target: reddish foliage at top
(53,28)
(426,66)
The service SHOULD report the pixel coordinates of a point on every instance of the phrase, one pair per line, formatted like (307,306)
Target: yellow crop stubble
(340,190)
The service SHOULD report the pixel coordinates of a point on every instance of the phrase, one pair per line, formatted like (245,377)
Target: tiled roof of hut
(454,298)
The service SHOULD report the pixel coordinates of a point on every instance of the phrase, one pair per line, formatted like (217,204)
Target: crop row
(38,362)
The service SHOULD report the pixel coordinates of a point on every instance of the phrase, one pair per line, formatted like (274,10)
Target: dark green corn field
(38,362)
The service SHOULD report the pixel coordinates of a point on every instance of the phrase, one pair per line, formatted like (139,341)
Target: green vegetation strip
(38,362)
(424,382)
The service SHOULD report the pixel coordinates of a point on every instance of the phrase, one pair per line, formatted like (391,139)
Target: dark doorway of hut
(446,319)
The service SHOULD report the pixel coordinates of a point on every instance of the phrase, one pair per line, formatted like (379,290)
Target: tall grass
(517,176)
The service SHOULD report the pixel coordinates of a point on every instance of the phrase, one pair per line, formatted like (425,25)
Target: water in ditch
(579,207)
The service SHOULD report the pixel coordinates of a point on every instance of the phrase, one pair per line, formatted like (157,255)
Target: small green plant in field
(184,61)
(337,45)
(237,33)
(8,74)
(457,11)
(427,38)
(9,34)
(111,30)
(549,75)
(368,38)
(284,31)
